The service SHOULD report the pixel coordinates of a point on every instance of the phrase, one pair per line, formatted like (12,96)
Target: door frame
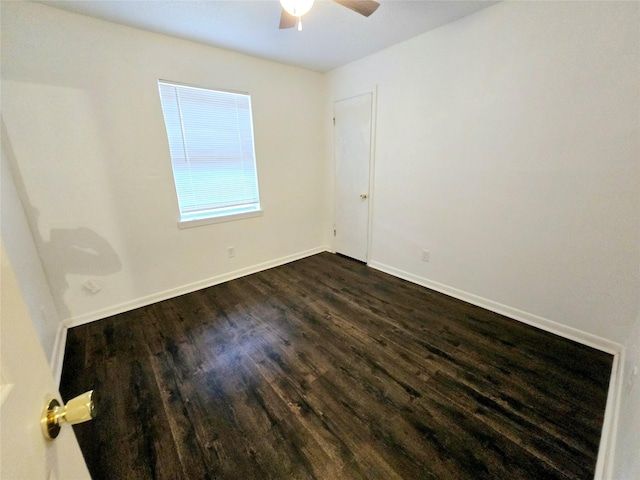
(373,90)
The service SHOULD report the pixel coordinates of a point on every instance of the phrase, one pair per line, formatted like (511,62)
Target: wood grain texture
(326,369)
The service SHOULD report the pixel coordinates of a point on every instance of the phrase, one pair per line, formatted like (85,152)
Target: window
(210,136)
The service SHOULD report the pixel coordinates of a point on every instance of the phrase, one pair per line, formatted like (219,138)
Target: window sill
(182,224)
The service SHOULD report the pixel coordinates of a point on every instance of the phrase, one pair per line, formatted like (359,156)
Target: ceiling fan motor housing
(297,8)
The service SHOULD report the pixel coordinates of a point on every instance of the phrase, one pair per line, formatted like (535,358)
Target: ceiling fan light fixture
(297,8)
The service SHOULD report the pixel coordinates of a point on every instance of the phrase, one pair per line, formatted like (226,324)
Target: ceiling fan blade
(363,7)
(287,20)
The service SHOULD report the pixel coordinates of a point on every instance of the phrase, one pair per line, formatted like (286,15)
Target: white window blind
(210,136)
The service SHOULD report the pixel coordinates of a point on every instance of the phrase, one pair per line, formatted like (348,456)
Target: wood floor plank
(326,369)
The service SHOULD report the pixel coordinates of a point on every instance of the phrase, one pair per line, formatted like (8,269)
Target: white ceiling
(332,35)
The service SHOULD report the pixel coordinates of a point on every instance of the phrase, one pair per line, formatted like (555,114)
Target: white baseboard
(545,324)
(607,442)
(57,355)
(604,464)
(191,287)
(607,448)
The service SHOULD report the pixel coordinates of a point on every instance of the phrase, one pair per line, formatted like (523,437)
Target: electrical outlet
(231,252)
(425,255)
(91,287)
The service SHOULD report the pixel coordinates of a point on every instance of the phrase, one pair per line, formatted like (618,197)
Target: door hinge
(334,232)
(334,121)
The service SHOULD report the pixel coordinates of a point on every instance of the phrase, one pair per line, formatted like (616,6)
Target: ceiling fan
(293,10)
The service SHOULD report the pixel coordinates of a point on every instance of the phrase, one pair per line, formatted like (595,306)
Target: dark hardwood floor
(324,368)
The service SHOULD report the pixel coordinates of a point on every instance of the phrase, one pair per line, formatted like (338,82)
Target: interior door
(352,134)
(25,382)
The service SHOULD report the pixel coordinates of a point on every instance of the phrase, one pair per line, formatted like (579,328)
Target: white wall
(21,250)
(508,145)
(82,112)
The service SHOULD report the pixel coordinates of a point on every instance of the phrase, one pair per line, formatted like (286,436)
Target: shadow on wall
(79,251)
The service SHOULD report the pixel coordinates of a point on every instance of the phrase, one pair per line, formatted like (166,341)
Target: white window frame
(179,132)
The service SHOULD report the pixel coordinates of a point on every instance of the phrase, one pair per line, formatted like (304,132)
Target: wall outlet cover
(91,287)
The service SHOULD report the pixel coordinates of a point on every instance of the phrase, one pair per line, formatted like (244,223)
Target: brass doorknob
(77,410)
(363,195)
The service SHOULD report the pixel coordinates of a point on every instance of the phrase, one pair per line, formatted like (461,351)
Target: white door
(352,134)
(25,382)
